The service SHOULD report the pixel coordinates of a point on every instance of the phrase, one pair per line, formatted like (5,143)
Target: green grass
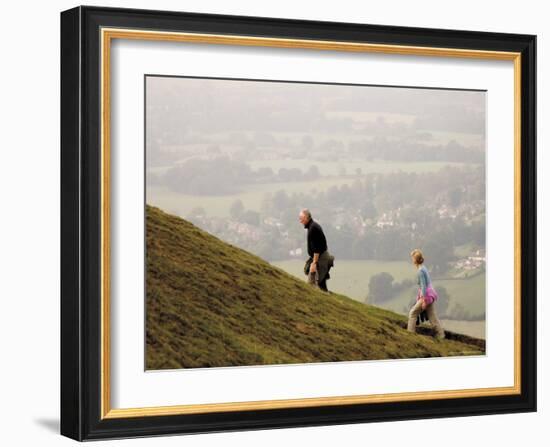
(210,304)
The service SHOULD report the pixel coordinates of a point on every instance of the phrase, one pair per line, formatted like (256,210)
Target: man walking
(320,260)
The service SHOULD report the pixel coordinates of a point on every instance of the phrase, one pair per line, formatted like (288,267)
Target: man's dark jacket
(316,241)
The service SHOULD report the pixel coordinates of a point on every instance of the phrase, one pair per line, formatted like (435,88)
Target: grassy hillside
(209,303)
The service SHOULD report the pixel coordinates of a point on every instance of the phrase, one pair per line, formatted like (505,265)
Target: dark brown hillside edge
(210,304)
(426,330)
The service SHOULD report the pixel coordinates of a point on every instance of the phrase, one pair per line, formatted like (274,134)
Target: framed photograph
(277,223)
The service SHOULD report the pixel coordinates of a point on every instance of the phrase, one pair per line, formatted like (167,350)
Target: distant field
(466,139)
(333,168)
(468,292)
(352,278)
(219,206)
(182,204)
(359,116)
(437,136)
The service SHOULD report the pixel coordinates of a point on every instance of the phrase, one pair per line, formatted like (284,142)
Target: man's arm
(313,267)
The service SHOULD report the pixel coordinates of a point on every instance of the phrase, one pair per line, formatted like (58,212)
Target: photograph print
(295,222)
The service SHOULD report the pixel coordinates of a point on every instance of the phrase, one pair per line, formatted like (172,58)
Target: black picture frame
(81,223)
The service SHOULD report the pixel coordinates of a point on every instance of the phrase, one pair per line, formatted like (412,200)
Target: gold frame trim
(107,35)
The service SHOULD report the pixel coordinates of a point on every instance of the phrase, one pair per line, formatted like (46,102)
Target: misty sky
(178,108)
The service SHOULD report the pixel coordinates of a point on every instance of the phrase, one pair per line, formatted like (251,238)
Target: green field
(182,204)
(364,116)
(468,292)
(345,137)
(352,278)
(333,168)
(466,139)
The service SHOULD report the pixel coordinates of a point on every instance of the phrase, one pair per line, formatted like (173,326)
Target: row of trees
(375,193)
(407,150)
(224,176)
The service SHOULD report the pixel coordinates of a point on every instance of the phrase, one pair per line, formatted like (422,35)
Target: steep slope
(209,303)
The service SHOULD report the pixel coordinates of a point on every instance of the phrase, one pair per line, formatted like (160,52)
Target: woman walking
(426,297)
